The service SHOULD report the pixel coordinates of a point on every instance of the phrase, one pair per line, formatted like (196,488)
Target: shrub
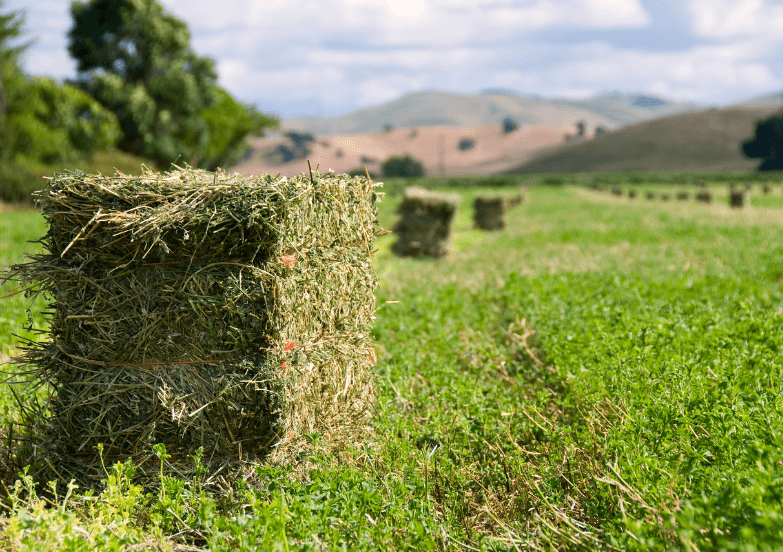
(509,125)
(404,166)
(466,144)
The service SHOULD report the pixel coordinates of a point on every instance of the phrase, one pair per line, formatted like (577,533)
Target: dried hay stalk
(425,223)
(489,213)
(197,309)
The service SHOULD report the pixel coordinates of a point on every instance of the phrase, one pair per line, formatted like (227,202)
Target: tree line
(139,87)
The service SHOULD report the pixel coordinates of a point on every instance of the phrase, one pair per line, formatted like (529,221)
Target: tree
(767,143)
(136,59)
(11,76)
(404,166)
(509,125)
(57,123)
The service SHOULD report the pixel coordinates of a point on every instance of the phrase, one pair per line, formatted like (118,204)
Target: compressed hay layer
(424,228)
(489,213)
(197,309)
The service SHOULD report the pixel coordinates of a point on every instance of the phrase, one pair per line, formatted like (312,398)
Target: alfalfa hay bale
(424,228)
(739,197)
(489,212)
(197,309)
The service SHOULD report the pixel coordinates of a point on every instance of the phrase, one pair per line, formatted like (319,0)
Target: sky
(329,57)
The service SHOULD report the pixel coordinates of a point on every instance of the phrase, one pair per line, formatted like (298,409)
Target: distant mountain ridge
(434,107)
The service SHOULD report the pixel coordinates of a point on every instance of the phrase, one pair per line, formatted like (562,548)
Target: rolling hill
(707,140)
(438,108)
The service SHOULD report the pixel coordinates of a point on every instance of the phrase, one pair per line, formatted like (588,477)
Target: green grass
(601,374)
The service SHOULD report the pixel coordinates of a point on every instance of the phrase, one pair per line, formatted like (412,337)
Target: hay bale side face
(424,228)
(202,310)
(489,213)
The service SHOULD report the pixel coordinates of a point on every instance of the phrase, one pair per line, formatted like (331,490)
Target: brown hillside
(436,147)
(702,141)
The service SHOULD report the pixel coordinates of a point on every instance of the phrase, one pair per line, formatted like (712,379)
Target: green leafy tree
(58,123)
(11,77)
(404,166)
(229,122)
(136,59)
(767,144)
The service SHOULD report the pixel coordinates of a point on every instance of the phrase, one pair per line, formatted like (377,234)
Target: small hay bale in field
(739,198)
(682,196)
(704,197)
(489,213)
(664,197)
(617,191)
(516,199)
(649,195)
(631,194)
(765,189)
(197,309)
(424,228)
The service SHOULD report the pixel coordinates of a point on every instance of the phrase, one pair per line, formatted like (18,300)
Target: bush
(17,183)
(509,125)
(405,166)
(466,144)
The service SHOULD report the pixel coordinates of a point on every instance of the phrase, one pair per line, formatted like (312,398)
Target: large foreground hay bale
(197,309)
(424,228)
(489,213)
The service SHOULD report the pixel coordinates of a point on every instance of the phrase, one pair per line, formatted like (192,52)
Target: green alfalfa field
(605,373)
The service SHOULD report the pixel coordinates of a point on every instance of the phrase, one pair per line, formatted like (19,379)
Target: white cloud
(724,19)
(712,73)
(337,55)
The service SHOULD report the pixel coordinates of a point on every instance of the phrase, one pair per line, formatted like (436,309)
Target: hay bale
(197,309)
(631,194)
(739,198)
(704,197)
(617,191)
(516,199)
(765,189)
(424,228)
(489,213)
(664,197)
(649,195)
(682,196)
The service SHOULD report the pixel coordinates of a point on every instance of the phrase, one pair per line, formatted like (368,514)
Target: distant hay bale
(649,195)
(682,196)
(617,191)
(704,197)
(739,198)
(489,213)
(631,194)
(516,199)
(765,189)
(664,197)
(197,309)
(424,228)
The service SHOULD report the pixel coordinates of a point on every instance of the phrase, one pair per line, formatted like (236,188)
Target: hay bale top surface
(429,198)
(187,211)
